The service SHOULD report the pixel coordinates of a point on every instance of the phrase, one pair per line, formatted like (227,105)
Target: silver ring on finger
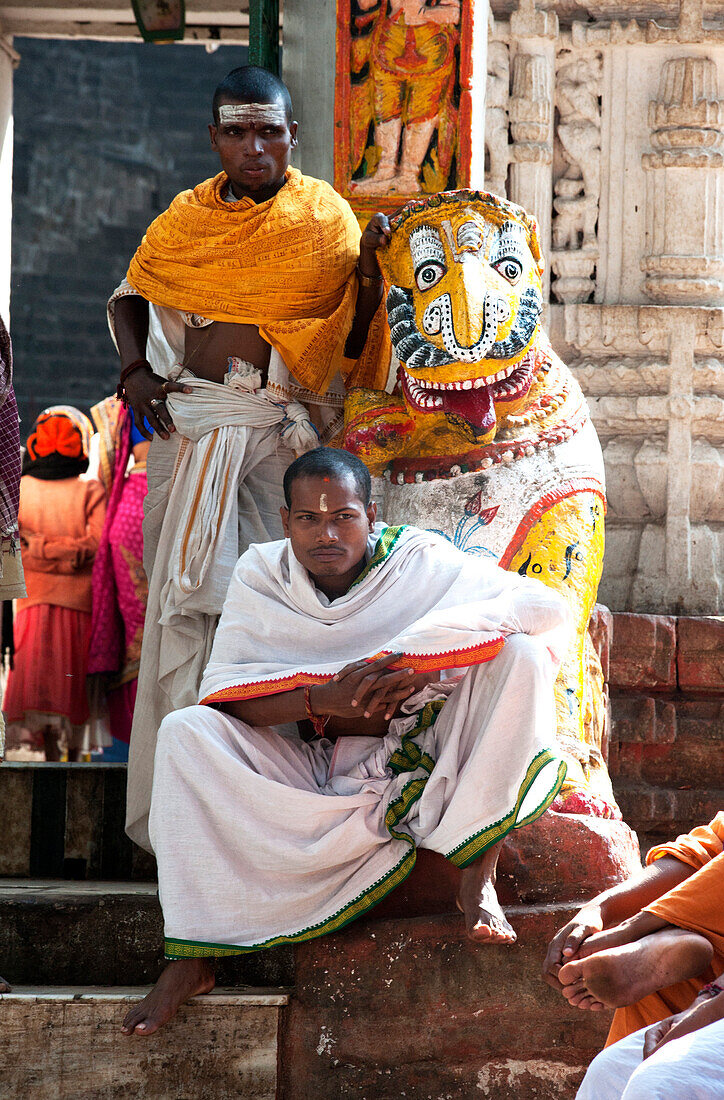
(155,403)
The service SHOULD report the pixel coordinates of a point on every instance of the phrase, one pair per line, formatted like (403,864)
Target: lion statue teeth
(486,436)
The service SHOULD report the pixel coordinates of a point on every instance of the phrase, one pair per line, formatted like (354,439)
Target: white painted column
(308,67)
(8,61)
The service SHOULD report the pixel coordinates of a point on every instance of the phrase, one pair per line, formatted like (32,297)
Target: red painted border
(420,662)
(532,516)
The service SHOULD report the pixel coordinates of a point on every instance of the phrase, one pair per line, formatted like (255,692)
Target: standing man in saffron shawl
(426,675)
(249,306)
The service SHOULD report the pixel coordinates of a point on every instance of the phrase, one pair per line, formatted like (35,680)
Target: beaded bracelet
(713,989)
(318,723)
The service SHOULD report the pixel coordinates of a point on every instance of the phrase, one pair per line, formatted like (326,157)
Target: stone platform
(411,1008)
(401,1004)
(64,1044)
(666,681)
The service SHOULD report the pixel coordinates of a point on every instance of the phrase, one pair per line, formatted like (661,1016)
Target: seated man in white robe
(424,677)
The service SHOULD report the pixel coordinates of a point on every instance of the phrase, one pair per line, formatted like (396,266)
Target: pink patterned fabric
(120,588)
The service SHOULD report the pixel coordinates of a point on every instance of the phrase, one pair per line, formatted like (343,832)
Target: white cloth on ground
(689,1068)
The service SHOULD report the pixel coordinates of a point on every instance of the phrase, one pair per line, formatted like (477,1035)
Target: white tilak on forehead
(253,114)
(323,503)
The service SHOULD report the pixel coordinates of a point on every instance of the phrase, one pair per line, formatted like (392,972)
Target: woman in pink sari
(120,588)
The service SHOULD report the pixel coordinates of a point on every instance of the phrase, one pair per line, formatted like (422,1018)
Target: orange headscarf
(286,265)
(61,430)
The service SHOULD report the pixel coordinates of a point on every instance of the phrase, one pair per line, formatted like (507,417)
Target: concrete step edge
(34,890)
(23,994)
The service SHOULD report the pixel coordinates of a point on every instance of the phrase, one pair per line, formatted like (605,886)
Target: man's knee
(179,727)
(521,655)
(653,1082)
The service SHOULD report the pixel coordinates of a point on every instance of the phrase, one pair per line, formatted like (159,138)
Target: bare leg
(478,902)
(622,975)
(415,142)
(387,138)
(5,987)
(181,980)
(50,743)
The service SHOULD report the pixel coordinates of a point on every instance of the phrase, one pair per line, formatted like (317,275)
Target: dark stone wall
(105,135)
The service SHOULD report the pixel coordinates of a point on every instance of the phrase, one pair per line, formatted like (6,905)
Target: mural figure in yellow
(486,436)
(406,72)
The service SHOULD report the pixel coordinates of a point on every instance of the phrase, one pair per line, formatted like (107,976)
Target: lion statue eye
(428,274)
(509,268)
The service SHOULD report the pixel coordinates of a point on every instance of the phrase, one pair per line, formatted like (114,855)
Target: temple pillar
(684,261)
(533,36)
(309,49)
(8,60)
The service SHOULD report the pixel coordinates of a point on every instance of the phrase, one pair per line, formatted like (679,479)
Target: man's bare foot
(478,902)
(622,975)
(181,980)
(5,987)
(628,931)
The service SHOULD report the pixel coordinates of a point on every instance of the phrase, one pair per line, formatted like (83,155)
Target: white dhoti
(689,1068)
(262,839)
(213,490)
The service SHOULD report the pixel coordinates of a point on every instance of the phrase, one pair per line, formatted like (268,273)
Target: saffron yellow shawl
(286,265)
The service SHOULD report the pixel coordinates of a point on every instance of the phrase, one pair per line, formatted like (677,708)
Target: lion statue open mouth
(486,436)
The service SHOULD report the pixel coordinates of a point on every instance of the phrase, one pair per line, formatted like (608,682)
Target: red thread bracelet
(317,721)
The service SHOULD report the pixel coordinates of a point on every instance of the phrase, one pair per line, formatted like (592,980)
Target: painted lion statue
(486,436)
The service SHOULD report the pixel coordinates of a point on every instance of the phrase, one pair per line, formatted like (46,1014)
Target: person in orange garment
(647,947)
(61,518)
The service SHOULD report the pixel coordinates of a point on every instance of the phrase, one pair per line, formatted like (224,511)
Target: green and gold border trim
(475,845)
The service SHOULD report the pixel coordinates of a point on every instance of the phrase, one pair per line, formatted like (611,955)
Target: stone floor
(64,1043)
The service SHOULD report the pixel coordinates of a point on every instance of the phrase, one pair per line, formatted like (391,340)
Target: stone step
(414,1009)
(67,821)
(64,1044)
(102,933)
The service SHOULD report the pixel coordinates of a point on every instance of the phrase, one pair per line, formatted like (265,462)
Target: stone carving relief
(684,259)
(497,119)
(578,186)
(530,109)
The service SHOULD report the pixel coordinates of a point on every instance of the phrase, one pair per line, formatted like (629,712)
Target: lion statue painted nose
(486,436)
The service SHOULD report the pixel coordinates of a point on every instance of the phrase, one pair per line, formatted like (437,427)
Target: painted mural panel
(402,100)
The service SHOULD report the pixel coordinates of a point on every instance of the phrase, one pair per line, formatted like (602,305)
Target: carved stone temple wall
(604,118)
(629,187)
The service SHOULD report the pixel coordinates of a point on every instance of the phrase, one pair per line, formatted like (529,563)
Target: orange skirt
(51,660)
